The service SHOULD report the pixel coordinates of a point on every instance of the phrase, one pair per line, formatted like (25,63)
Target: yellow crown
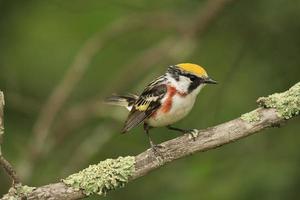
(192,68)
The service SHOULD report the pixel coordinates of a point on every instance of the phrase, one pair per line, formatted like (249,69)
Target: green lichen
(252,116)
(18,192)
(103,177)
(286,103)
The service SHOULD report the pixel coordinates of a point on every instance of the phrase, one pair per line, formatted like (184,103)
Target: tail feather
(126,101)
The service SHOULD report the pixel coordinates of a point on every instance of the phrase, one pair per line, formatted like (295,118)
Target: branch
(3,162)
(114,173)
(2,102)
(9,170)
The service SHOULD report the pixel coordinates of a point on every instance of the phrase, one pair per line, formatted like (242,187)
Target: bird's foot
(193,134)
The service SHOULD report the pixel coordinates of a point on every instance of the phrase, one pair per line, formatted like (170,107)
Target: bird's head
(189,76)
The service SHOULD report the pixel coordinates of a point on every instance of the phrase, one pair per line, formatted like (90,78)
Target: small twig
(2,103)
(3,162)
(9,170)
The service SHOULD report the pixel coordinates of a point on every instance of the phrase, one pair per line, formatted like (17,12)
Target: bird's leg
(177,129)
(192,132)
(153,145)
(147,128)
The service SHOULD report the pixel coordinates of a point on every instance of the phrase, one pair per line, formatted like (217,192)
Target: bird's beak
(210,81)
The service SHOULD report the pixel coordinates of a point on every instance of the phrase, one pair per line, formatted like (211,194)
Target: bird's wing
(147,104)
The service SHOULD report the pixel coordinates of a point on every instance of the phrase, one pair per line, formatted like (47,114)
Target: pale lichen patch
(286,103)
(252,116)
(18,192)
(103,177)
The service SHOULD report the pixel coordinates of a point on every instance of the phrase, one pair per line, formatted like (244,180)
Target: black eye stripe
(195,82)
(193,77)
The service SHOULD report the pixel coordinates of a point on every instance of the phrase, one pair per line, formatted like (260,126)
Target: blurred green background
(251,47)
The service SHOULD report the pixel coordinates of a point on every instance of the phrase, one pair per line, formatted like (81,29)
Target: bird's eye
(192,78)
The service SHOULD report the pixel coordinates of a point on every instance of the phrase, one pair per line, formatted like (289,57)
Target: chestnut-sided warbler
(166,100)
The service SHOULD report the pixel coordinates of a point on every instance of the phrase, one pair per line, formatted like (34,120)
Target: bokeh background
(60,58)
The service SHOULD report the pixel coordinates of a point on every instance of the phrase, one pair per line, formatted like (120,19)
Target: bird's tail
(126,101)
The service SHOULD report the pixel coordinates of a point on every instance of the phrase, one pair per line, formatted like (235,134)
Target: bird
(164,101)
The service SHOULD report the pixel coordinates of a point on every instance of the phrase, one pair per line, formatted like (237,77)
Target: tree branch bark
(269,115)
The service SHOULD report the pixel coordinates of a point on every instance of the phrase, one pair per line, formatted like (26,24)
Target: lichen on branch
(18,192)
(286,103)
(250,117)
(103,177)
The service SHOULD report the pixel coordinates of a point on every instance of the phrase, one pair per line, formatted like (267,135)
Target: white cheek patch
(181,85)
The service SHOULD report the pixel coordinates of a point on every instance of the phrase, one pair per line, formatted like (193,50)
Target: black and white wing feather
(148,102)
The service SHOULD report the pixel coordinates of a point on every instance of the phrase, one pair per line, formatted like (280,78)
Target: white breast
(181,106)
